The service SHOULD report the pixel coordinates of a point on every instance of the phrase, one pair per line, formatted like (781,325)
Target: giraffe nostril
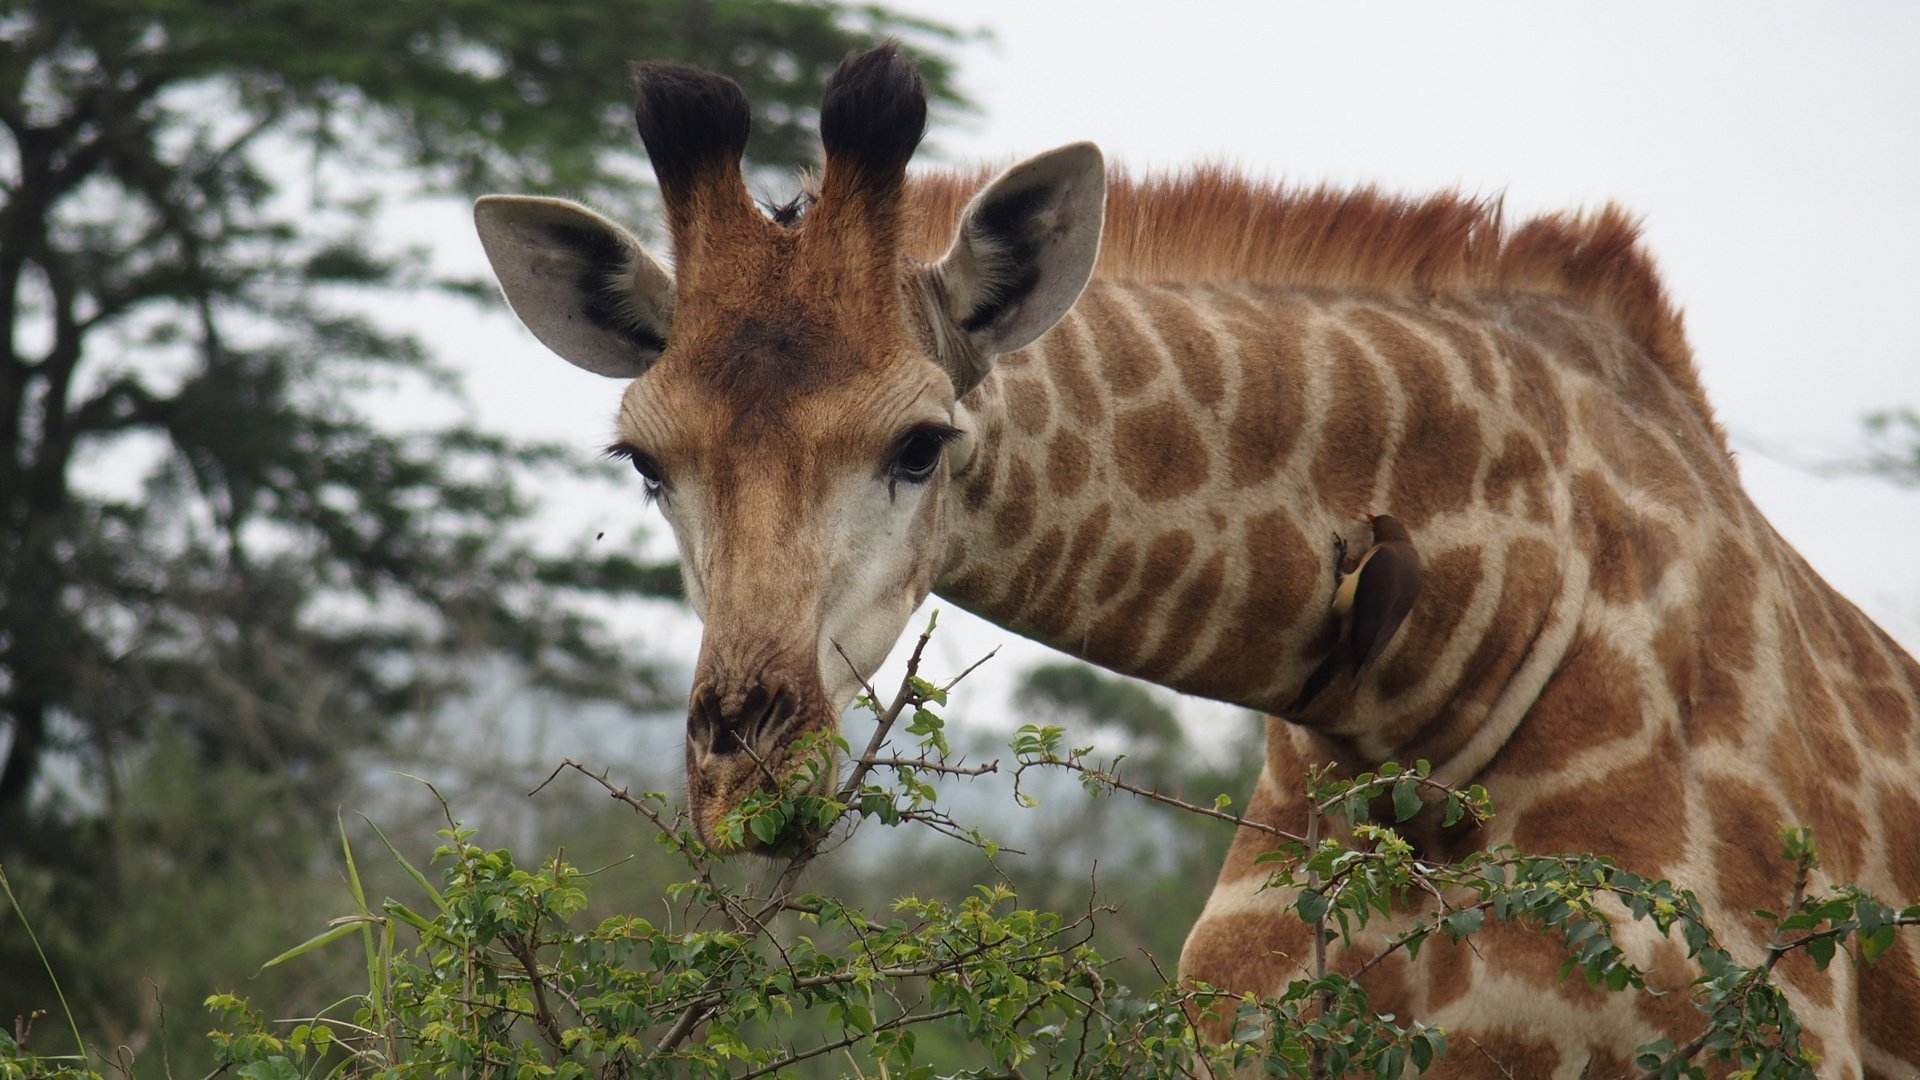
(706,721)
(727,722)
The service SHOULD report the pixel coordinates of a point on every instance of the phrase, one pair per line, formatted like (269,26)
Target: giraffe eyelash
(643,463)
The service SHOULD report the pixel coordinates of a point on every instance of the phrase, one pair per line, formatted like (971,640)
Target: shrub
(487,975)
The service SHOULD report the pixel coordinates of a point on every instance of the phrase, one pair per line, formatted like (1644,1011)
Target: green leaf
(1311,905)
(1421,1050)
(419,878)
(314,942)
(765,827)
(1821,949)
(1872,945)
(274,1068)
(1465,921)
(1406,800)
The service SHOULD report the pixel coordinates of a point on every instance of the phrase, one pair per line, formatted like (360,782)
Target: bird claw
(1339,552)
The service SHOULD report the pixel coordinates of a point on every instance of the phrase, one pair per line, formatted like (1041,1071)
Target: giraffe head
(795,380)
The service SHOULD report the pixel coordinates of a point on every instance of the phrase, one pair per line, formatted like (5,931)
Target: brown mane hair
(1211,224)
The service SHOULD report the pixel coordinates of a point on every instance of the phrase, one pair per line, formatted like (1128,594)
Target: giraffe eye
(917,454)
(649,470)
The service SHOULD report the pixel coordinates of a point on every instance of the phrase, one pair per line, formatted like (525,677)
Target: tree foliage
(212,561)
(492,971)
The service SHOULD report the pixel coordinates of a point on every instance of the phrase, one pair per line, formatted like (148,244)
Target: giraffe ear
(1024,251)
(582,284)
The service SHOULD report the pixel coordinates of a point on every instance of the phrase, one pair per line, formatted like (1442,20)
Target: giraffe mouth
(759,791)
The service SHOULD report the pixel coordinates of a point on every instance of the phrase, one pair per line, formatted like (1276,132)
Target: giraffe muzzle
(740,740)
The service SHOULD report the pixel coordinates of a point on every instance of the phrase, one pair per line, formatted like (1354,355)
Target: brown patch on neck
(1210,224)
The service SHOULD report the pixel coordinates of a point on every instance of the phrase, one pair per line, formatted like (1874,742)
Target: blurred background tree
(220,575)
(1892,448)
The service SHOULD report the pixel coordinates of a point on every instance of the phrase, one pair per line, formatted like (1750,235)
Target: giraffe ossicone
(1120,415)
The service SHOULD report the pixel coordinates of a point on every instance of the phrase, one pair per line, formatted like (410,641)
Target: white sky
(1774,150)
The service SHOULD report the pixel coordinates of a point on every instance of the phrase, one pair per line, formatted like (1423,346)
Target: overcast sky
(1773,149)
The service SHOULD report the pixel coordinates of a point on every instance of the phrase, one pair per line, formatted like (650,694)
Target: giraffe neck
(1156,484)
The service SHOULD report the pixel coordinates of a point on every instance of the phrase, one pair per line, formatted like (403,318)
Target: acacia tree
(283,578)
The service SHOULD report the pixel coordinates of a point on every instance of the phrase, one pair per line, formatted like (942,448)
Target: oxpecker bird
(1368,604)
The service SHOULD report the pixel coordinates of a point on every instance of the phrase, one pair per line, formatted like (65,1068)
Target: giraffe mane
(1212,224)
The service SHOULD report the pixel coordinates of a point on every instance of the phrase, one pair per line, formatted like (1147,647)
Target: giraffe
(1125,417)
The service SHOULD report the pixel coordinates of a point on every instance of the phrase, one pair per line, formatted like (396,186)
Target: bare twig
(1155,795)
(1497,1063)
(828,1048)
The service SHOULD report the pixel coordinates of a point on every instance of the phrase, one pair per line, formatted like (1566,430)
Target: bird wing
(1381,601)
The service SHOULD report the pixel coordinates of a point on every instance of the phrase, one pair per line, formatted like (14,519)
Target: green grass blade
(79,1043)
(376,980)
(353,872)
(418,877)
(314,942)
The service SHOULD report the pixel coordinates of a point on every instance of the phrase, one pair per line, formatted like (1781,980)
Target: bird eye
(918,455)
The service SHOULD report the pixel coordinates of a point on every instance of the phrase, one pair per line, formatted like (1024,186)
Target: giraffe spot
(1281,574)
(1636,813)
(1900,831)
(1118,571)
(1196,356)
(1033,572)
(1535,395)
(1512,1053)
(1467,344)
(1166,560)
(1066,345)
(968,586)
(1816,715)
(1389,986)
(1889,997)
(1449,970)
(1159,451)
(1673,643)
(1712,469)
(1863,645)
(1269,807)
(1188,619)
(1028,403)
(1451,583)
(1719,709)
(1268,410)
(1440,445)
(1727,593)
(1591,701)
(1562,335)
(1521,952)
(1520,472)
(1669,975)
(1248,952)
(1751,875)
(976,484)
(1128,360)
(1053,614)
(1116,639)
(1019,498)
(1529,582)
(1636,454)
(1354,432)
(1881,714)
(1600,521)
(1069,460)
